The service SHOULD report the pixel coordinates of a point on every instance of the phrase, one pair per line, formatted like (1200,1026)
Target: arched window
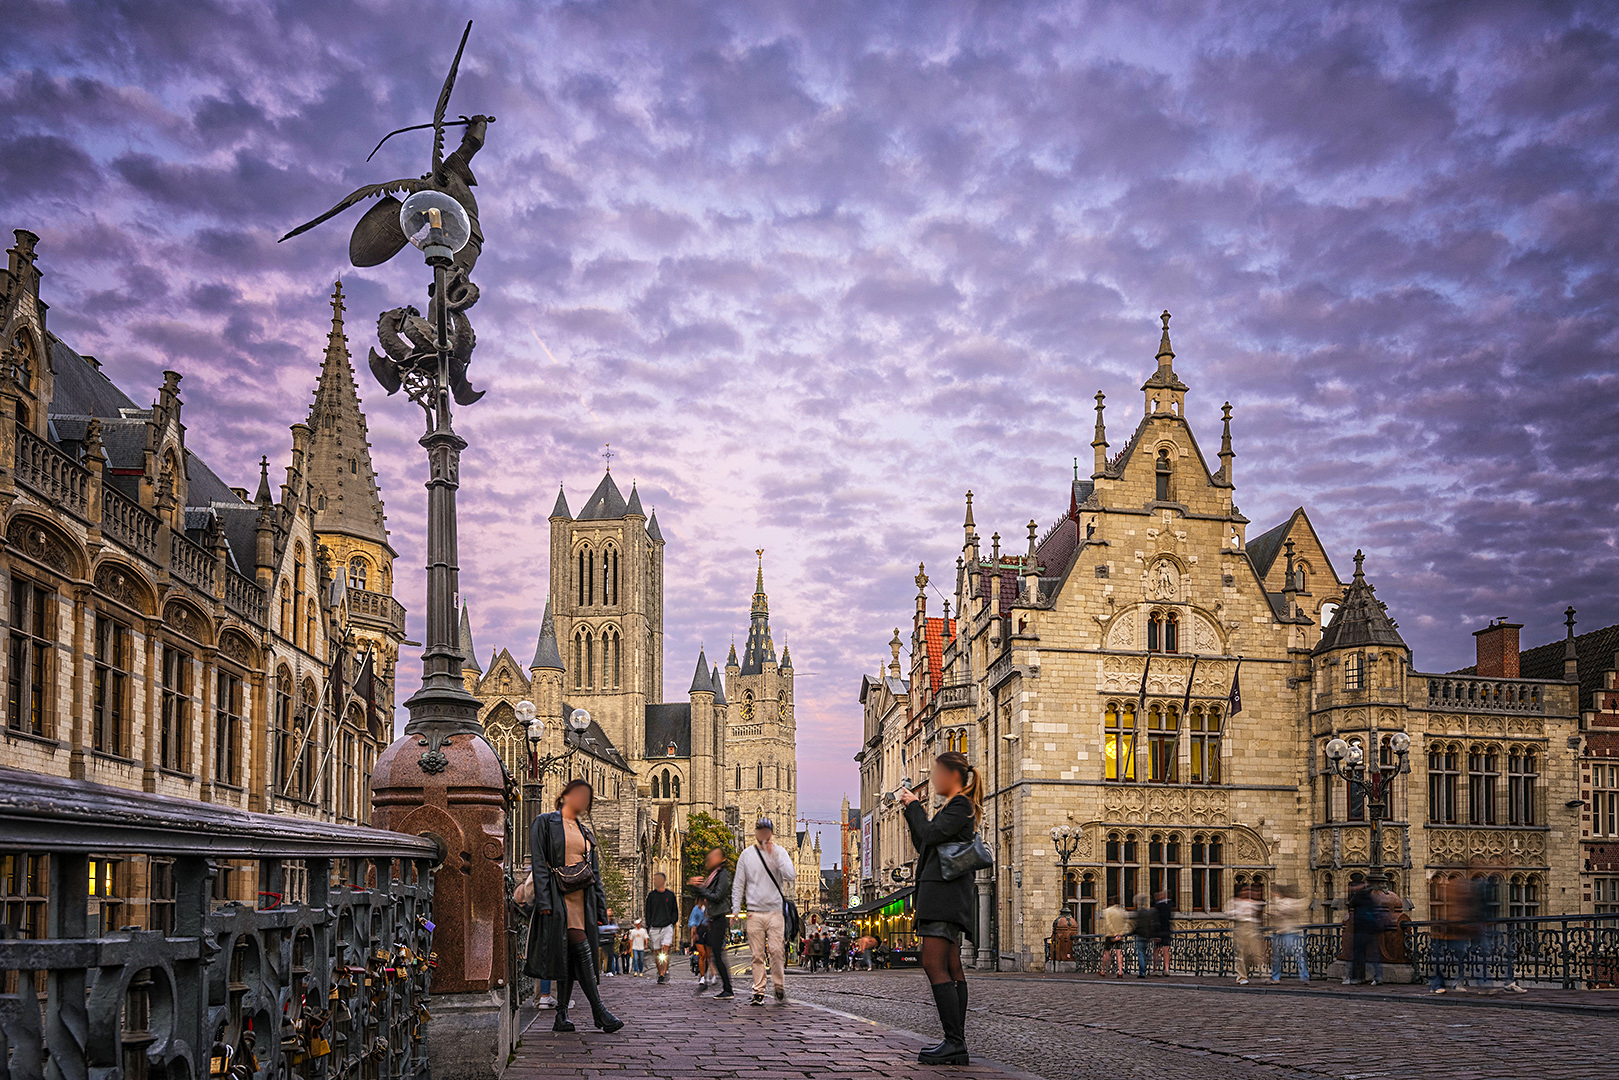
(609,575)
(1172,635)
(286,610)
(612,658)
(739,776)
(759,777)
(309,630)
(1522,775)
(675,780)
(1123,868)
(308,718)
(1208,858)
(284,745)
(1087,903)
(1155,632)
(357,572)
(579,660)
(663,779)
(1119,741)
(1302,570)
(1483,774)
(1164,866)
(1204,725)
(1523,898)
(1161,470)
(1357,791)
(1443,771)
(586,576)
(1163,737)
(22,361)
(590,660)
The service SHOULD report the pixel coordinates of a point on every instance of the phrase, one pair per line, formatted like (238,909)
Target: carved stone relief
(1163,580)
(41,545)
(119,583)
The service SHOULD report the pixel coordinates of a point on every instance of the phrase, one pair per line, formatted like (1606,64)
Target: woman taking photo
(568,905)
(944,909)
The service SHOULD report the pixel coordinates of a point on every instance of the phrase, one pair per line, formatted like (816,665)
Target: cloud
(814,276)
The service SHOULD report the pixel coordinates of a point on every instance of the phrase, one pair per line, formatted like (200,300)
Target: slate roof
(652,529)
(80,388)
(700,677)
(1263,549)
(719,686)
(605,503)
(204,487)
(1361,618)
(666,724)
(635,503)
(546,653)
(595,743)
(561,507)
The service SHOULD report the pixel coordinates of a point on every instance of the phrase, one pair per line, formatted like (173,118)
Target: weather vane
(408,339)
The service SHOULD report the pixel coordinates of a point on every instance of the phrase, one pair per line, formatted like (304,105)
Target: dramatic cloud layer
(816,269)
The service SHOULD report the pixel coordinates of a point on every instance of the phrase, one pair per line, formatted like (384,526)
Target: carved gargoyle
(412,356)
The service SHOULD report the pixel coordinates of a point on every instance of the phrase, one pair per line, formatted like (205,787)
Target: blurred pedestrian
(638,943)
(1142,921)
(1366,930)
(1244,911)
(697,926)
(1115,929)
(662,915)
(1163,929)
(1453,934)
(1288,911)
(945,907)
(714,886)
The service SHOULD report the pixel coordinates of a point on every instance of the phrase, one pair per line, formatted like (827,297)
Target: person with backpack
(763,874)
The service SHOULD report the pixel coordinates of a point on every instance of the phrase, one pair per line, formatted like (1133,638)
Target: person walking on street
(1142,920)
(1288,912)
(714,886)
(662,913)
(638,943)
(569,905)
(944,909)
(1244,911)
(1366,928)
(763,874)
(609,952)
(1163,929)
(1115,929)
(1453,934)
(697,925)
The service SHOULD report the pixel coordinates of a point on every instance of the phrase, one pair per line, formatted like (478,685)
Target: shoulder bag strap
(766,864)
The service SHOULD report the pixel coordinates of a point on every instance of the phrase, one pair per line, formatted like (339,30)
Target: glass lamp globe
(579,720)
(1355,753)
(1337,750)
(433,220)
(1401,742)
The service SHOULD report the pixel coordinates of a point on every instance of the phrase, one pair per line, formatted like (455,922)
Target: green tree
(703,833)
(616,888)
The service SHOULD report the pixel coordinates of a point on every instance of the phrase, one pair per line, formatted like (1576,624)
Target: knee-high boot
(953,1051)
(584,973)
(961,1001)
(564,995)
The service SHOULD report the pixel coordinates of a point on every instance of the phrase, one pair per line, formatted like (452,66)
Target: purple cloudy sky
(816,269)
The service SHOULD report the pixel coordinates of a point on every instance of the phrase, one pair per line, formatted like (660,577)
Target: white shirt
(752,888)
(638,938)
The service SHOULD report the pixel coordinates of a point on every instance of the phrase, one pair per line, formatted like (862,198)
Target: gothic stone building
(728,750)
(1152,676)
(166,631)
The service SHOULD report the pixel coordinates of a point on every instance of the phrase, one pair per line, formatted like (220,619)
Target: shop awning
(882,902)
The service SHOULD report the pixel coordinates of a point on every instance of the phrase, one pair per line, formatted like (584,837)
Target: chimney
(1498,649)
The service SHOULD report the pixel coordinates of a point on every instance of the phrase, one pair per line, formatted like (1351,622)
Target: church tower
(607,604)
(760,745)
(350,526)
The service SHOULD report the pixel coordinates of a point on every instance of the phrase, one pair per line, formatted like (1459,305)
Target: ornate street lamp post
(1348,760)
(1066,837)
(541,767)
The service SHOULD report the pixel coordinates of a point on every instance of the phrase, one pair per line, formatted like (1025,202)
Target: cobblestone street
(870,1025)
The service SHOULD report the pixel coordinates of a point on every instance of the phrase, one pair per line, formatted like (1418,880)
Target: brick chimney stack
(1498,649)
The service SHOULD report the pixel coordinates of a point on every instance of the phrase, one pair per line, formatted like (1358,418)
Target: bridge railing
(1571,951)
(324,977)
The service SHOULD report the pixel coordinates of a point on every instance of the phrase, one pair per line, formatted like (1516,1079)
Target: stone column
(985,956)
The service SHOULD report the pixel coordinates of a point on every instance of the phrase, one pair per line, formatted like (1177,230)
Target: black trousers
(719,929)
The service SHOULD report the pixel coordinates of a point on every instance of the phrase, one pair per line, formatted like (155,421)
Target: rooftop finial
(995,550)
(1163,343)
(607,455)
(1033,529)
(1360,570)
(921,578)
(1568,620)
(968,524)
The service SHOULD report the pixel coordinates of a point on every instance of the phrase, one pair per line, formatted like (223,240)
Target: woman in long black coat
(943,910)
(563,942)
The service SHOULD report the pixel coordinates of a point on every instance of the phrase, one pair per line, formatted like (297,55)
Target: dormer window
(1161,468)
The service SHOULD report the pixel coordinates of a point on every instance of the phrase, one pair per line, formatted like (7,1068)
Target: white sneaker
(546,1002)
(1515,988)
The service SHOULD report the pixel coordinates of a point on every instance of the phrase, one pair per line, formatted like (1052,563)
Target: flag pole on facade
(1186,704)
(1234,700)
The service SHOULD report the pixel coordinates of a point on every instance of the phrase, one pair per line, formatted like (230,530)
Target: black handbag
(958,858)
(790,923)
(579,875)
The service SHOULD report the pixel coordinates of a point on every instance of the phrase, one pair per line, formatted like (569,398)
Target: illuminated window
(1119,741)
(1163,739)
(1204,725)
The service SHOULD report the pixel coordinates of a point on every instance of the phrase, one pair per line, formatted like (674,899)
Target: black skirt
(950,931)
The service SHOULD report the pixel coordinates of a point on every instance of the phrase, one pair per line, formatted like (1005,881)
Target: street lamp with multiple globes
(541,767)
(1348,760)
(1067,838)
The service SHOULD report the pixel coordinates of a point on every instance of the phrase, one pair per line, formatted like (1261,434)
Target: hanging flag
(1141,701)
(1234,704)
(365,687)
(1186,704)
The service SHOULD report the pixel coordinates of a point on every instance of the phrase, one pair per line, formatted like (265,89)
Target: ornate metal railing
(324,978)
(124,520)
(1571,951)
(244,596)
(52,474)
(192,562)
(1462,694)
(377,607)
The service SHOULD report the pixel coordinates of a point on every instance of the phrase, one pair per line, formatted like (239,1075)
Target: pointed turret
(1099,440)
(1227,455)
(730,661)
(634,507)
(546,653)
(700,679)
(469,652)
(264,498)
(1165,393)
(968,526)
(560,510)
(347,501)
(786,659)
(719,685)
(605,503)
(1361,619)
(652,529)
(759,649)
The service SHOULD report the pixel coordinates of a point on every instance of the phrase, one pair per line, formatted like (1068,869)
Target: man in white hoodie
(764,877)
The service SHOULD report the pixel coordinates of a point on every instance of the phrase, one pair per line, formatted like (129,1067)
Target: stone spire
(264,498)
(968,526)
(347,501)
(469,651)
(1571,656)
(560,510)
(894,646)
(1099,441)
(546,653)
(700,679)
(759,650)
(1165,393)
(1227,455)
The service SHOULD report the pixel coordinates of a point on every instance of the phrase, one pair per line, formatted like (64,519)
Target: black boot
(953,1051)
(961,1001)
(585,974)
(564,990)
